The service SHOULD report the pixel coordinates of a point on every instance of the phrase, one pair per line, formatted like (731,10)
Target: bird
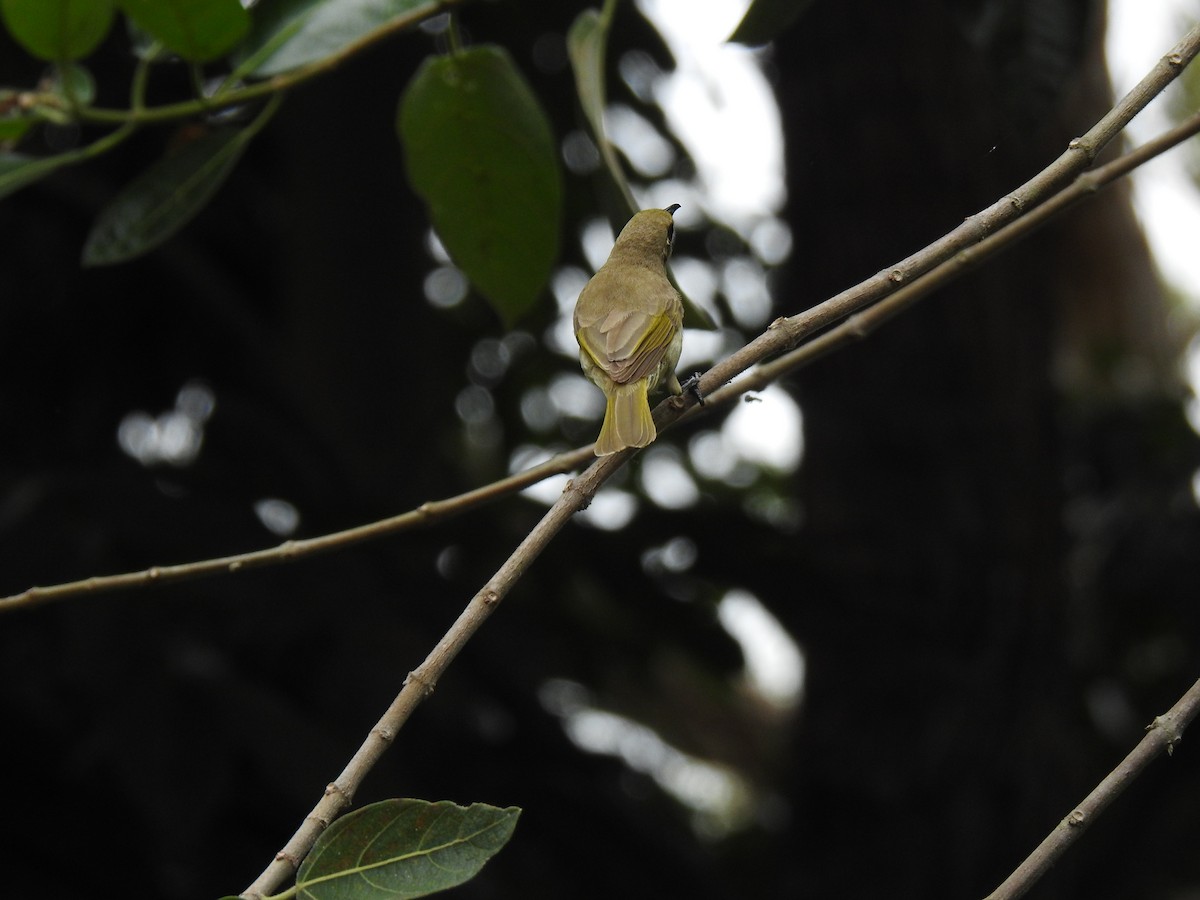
(629,325)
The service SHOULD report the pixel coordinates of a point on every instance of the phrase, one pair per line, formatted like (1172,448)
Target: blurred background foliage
(881,652)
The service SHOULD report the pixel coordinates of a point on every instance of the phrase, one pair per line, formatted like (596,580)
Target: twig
(425,514)
(784,334)
(954,253)
(861,324)
(1162,734)
(228,97)
(421,681)
(855,328)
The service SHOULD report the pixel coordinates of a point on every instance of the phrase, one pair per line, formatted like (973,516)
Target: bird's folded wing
(628,345)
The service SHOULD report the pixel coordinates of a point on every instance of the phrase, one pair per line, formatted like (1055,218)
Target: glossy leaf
(58,30)
(400,849)
(480,152)
(766,19)
(164,198)
(197,30)
(288,34)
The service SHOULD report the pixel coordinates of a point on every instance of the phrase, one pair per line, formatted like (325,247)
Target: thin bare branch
(426,514)
(786,333)
(954,253)
(854,328)
(1162,734)
(783,335)
(421,681)
(861,324)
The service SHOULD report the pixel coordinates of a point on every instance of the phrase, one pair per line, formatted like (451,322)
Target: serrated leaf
(197,30)
(164,198)
(401,849)
(18,170)
(58,30)
(292,33)
(480,152)
(766,19)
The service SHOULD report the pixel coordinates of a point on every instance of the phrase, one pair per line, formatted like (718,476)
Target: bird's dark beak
(671,209)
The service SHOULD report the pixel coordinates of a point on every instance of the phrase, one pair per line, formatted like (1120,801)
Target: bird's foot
(692,386)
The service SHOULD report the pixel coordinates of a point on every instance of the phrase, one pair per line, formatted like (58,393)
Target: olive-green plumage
(629,324)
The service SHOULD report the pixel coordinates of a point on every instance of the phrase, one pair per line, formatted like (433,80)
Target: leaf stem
(225,99)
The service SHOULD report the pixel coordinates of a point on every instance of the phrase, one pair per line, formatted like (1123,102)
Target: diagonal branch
(861,324)
(783,335)
(856,327)
(786,333)
(421,681)
(1162,734)
(426,514)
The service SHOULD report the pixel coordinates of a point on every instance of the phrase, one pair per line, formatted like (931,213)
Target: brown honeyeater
(629,324)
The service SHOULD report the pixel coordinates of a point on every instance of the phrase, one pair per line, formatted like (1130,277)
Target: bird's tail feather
(627,419)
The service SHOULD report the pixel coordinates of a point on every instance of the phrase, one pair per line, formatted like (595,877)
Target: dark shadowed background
(990,566)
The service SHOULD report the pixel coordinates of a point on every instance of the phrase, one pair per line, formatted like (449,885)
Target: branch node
(322,822)
(153,573)
(1175,59)
(384,733)
(1171,731)
(284,857)
(421,681)
(896,276)
(1076,819)
(330,789)
(490,597)
(1084,146)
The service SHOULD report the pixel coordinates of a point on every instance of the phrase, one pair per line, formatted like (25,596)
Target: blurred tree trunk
(932,599)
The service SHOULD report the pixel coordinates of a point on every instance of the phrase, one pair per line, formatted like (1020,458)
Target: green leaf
(58,30)
(480,152)
(289,34)
(197,30)
(18,170)
(74,82)
(400,849)
(12,128)
(766,19)
(586,41)
(15,120)
(164,198)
